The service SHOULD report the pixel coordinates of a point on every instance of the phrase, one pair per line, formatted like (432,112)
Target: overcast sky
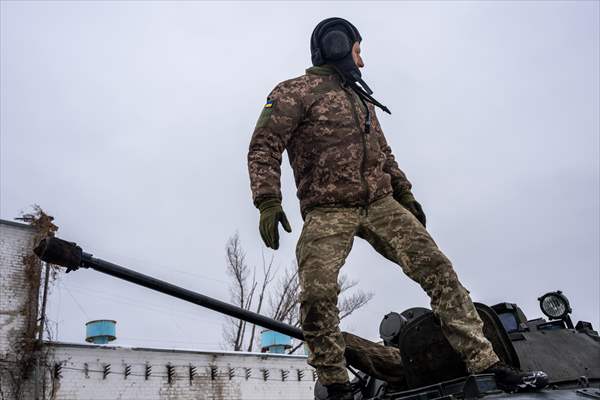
(130,123)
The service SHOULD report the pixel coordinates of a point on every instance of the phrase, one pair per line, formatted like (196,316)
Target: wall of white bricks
(18,303)
(16,242)
(93,372)
(105,372)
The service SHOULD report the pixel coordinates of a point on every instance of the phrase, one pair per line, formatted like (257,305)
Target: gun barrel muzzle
(59,252)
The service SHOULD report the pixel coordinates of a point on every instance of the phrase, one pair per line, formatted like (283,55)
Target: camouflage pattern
(376,360)
(321,125)
(324,244)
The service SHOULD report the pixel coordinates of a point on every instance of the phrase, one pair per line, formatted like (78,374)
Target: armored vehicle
(415,361)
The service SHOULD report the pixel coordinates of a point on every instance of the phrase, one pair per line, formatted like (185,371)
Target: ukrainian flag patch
(265,115)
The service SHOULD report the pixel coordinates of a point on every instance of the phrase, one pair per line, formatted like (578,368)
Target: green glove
(271,214)
(408,201)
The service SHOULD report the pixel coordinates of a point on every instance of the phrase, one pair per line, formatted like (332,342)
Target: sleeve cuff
(267,203)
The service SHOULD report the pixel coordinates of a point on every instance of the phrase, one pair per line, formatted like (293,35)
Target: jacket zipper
(364,157)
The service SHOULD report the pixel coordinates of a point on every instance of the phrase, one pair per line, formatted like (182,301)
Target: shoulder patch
(265,115)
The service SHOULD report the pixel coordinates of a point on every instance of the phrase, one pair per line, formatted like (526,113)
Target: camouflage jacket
(321,124)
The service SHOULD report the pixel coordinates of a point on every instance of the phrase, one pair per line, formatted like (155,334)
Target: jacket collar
(325,69)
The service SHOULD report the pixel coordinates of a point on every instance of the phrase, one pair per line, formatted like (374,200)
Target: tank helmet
(331,43)
(332,39)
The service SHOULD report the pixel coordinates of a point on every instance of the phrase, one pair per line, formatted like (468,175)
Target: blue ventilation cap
(274,342)
(100,331)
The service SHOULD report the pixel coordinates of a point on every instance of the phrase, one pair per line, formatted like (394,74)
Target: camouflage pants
(376,360)
(324,244)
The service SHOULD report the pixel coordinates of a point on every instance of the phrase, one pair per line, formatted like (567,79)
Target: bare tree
(268,275)
(285,299)
(353,301)
(348,304)
(282,294)
(242,290)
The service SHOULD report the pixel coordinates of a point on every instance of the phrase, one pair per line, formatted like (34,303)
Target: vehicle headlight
(555,305)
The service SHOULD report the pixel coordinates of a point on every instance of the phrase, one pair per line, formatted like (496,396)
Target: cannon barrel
(67,254)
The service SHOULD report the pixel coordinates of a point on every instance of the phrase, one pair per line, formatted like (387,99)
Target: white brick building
(19,287)
(18,298)
(70,371)
(106,372)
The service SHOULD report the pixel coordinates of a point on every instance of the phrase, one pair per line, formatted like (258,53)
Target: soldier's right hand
(408,201)
(271,214)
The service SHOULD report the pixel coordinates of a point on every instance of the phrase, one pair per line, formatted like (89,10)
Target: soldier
(349,184)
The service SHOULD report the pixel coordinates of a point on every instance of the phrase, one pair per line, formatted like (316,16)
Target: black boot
(511,379)
(339,391)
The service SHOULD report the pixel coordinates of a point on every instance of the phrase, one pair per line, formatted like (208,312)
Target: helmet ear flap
(336,45)
(317,58)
